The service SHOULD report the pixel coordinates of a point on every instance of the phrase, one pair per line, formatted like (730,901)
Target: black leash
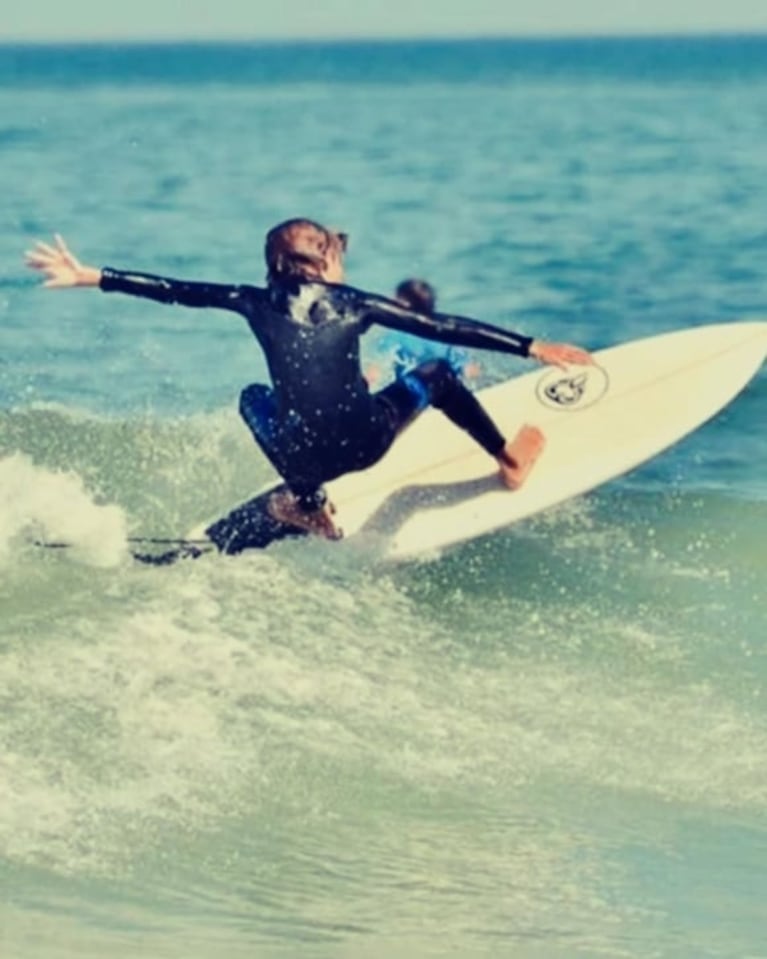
(181,549)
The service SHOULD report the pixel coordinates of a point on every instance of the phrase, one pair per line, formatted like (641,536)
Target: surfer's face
(334,258)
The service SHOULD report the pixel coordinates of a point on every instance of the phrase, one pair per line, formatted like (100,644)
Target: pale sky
(41,20)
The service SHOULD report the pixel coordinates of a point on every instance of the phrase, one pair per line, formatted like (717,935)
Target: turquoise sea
(551,743)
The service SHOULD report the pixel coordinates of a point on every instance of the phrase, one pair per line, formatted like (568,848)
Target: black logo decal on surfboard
(572,391)
(568,390)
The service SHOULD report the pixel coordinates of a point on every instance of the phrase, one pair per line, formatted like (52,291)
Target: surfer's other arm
(467,332)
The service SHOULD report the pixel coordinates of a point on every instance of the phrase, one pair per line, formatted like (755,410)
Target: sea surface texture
(550,743)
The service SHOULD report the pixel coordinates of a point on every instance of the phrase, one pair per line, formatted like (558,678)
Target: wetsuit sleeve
(442,327)
(166,290)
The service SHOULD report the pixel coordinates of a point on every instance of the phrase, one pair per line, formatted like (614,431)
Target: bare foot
(520,455)
(285,509)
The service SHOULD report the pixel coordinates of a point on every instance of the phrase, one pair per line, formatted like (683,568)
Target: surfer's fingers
(42,254)
(552,354)
(36,260)
(46,248)
(582,357)
(574,354)
(564,355)
(63,250)
(555,355)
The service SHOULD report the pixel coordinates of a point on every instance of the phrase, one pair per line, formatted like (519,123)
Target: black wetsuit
(320,419)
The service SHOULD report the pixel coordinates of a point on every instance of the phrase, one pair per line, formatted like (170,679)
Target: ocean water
(549,743)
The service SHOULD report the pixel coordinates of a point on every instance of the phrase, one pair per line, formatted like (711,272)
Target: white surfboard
(436,488)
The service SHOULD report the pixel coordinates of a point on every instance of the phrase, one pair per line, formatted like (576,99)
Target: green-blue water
(550,743)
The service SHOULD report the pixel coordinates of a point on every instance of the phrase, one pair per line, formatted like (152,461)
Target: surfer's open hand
(60,266)
(560,354)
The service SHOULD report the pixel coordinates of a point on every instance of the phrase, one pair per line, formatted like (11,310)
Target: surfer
(319,419)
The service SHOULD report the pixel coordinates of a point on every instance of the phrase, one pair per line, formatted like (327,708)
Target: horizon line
(542,37)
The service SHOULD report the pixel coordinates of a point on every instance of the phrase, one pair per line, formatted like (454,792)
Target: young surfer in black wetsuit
(319,419)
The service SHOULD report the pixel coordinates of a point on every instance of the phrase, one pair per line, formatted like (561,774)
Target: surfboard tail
(250,526)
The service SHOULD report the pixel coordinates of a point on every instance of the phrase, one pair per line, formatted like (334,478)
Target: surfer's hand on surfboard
(560,354)
(60,266)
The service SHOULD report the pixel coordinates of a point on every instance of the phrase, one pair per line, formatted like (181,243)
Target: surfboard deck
(436,488)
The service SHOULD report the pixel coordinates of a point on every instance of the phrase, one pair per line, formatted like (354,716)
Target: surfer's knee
(254,401)
(257,408)
(440,379)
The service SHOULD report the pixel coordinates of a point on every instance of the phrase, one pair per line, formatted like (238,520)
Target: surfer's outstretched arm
(517,457)
(464,331)
(63,270)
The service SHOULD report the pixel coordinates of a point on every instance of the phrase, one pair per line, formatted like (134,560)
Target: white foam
(54,506)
